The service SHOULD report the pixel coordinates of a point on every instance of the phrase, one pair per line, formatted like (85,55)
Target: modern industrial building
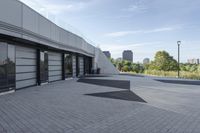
(127,55)
(107,54)
(34,50)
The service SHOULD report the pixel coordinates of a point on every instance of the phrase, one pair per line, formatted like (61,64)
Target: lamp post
(179,43)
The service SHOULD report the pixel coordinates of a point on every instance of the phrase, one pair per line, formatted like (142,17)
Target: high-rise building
(146,61)
(107,54)
(128,55)
(193,61)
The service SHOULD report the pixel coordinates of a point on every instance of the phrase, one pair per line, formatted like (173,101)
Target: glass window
(3,53)
(68,65)
(11,66)
(44,67)
(3,71)
(7,66)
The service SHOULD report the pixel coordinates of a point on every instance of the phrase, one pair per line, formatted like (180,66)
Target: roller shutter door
(26,67)
(81,66)
(55,66)
(74,65)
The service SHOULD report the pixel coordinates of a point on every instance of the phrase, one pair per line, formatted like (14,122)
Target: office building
(127,55)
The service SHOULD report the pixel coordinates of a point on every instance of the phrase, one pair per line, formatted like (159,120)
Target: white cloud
(120,33)
(119,47)
(136,8)
(116,49)
(62,8)
(54,8)
(125,33)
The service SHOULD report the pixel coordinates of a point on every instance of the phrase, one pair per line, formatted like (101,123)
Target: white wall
(11,12)
(21,21)
(102,62)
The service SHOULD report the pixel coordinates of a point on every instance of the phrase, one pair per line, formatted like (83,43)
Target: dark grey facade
(127,55)
(107,54)
(22,66)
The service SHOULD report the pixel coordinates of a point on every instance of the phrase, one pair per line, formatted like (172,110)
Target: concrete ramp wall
(102,62)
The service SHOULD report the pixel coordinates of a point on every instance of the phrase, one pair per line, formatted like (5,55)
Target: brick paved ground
(78,107)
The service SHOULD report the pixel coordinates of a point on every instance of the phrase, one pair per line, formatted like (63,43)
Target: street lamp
(179,43)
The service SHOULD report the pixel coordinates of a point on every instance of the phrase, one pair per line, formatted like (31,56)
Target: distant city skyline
(193,61)
(127,55)
(144,27)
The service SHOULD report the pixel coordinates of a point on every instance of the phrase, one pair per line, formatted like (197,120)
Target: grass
(183,74)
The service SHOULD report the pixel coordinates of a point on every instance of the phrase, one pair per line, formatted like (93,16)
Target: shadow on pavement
(185,82)
(122,84)
(121,95)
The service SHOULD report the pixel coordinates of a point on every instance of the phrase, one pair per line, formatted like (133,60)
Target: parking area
(103,105)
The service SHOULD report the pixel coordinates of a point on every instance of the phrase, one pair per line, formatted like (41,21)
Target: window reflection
(11,66)
(68,65)
(7,66)
(87,65)
(44,66)
(3,73)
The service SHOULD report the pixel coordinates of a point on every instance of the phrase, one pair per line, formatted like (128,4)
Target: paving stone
(66,107)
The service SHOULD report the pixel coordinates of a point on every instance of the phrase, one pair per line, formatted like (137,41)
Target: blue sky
(143,26)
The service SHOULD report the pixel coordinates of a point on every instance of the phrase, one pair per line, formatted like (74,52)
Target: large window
(87,65)
(68,65)
(7,67)
(44,66)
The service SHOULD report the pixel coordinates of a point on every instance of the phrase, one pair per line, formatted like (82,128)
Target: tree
(125,68)
(163,62)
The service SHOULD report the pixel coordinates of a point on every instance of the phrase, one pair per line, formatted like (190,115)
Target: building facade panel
(74,65)
(31,22)
(10,12)
(55,66)
(25,83)
(44,27)
(55,34)
(81,66)
(26,67)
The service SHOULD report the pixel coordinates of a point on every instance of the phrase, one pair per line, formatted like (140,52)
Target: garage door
(25,67)
(81,66)
(55,66)
(74,65)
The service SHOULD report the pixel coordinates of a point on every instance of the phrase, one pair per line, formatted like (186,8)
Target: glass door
(7,67)
(44,66)
(68,65)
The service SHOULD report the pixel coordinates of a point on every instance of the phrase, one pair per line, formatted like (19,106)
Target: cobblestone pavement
(158,106)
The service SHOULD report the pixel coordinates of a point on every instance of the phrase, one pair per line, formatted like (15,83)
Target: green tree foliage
(127,66)
(163,62)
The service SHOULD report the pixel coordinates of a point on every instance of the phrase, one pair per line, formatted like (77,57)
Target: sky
(143,26)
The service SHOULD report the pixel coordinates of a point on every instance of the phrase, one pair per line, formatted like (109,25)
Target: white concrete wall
(102,62)
(19,20)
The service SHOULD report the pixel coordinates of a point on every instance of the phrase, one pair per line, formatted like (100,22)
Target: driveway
(104,105)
